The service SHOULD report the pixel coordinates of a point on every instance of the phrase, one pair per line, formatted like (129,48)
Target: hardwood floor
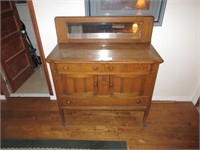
(170,125)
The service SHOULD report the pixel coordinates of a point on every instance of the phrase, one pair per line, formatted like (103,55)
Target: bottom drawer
(104,101)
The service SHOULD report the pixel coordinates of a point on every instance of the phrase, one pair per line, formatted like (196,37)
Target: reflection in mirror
(108,30)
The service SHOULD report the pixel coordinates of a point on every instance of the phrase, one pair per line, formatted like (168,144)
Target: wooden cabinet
(83,81)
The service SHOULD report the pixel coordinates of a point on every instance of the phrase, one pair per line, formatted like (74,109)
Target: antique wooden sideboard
(104,63)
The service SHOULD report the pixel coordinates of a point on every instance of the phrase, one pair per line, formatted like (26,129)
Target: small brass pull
(110,68)
(103,82)
(65,68)
(138,101)
(111,84)
(95,84)
(141,68)
(68,102)
(95,68)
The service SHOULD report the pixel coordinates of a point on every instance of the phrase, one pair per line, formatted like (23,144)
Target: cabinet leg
(65,125)
(145,118)
(62,115)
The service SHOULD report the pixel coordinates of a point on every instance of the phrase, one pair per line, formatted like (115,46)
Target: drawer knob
(110,68)
(68,102)
(95,68)
(111,84)
(103,82)
(95,84)
(138,101)
(141,68)
(65,68)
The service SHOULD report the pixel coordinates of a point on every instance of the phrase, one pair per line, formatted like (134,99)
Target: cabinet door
(77,85)
(127,85)
(103,88)
(16,62)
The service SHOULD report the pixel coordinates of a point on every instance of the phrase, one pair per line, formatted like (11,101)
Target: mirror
(107,30)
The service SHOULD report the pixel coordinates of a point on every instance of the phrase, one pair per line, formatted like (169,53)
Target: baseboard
(159,98)
(155,98)
(172,98)
(196,97)
(2,97)
(29,95)
(53,97)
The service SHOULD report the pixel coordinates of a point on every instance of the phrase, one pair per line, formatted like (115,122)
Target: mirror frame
(62,32)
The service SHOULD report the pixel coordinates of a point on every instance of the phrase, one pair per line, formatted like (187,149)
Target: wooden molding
(146,28)
(198,103)
(38,38)
(3,87)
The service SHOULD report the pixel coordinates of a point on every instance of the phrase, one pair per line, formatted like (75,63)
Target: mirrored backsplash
(108,30)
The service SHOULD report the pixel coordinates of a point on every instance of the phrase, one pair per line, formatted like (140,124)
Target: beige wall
(176,41)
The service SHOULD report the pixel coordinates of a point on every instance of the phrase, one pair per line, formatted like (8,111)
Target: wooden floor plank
(170,125)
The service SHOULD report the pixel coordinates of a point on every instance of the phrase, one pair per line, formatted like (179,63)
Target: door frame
(38,40)
(4,90)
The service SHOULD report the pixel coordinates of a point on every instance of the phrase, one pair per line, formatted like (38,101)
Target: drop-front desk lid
(100,52)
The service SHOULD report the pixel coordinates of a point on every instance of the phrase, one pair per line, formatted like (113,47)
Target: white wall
(46,11)
(176,41)
(197,95)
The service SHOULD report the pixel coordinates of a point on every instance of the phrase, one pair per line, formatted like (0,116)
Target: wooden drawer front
(114,67)
(105,102)
(79,67)
(137,68)
(109,68)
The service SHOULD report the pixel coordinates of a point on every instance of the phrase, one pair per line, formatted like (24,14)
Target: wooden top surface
(100,52)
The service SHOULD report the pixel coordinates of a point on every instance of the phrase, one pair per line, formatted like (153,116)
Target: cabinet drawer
(137,68)
(114,67)
(79,67)
(104,101)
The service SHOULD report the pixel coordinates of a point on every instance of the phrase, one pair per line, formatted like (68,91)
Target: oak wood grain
(104,74)
(170,125)
(62,32)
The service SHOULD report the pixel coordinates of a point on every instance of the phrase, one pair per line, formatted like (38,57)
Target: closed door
(77,85)
(127,85)
(16,63)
